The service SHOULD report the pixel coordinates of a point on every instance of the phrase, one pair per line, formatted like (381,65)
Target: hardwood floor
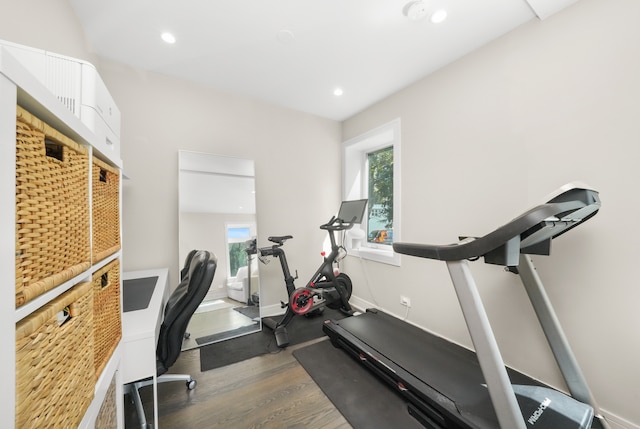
(269,391)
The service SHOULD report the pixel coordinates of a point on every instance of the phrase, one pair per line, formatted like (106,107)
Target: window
(372,171)
(380,194)
(237,236)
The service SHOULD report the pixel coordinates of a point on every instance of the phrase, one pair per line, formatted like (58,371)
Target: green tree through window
(237,257)
(380,193)
(237,236)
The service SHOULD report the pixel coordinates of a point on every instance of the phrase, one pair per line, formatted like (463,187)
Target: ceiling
(295,53)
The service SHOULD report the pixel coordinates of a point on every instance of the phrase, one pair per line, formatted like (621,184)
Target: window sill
(377,254)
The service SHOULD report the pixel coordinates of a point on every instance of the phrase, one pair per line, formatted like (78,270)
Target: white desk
(140,330)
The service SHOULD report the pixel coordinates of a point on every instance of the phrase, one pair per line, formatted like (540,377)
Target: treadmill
(449,386)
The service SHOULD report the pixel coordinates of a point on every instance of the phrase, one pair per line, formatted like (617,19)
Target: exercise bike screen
(352,211)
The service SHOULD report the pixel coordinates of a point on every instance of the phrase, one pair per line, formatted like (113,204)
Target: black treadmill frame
(509,245)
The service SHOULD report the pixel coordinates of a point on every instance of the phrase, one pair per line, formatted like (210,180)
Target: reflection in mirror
(217,213)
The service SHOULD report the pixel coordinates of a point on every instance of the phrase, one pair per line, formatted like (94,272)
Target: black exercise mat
(361,397)
(136,293)
(227,334)
(300,330)
(251,311)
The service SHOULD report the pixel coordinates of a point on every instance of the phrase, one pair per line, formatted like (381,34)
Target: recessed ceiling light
(438,16)
(168,37)
(338,92)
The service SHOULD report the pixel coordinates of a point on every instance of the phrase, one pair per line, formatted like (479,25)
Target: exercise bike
(327,287)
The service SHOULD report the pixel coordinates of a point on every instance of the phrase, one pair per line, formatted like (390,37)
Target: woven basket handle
(104,177)
(104,280)
(54,149)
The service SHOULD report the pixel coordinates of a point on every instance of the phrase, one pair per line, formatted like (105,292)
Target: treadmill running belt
(451,370)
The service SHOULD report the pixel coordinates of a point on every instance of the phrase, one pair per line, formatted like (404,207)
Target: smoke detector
(415,10)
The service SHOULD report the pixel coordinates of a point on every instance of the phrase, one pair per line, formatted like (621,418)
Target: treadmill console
(529,233)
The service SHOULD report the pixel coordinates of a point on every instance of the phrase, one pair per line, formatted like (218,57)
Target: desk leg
(156,424)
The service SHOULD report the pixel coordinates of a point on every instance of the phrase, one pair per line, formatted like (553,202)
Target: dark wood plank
(269,391)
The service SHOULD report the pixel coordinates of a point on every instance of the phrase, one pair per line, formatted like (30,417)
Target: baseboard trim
(360,304)
(617,422)
(271,310)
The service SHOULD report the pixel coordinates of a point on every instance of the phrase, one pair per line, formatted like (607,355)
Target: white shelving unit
(19,87)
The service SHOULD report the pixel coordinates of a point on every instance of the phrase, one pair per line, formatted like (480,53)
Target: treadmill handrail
(528,228)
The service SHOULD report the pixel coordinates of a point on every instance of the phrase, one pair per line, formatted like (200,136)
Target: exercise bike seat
(279,239)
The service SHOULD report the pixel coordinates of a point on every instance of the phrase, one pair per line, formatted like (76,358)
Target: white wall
(491,135)
(44,24)
(162,115)
(296,154)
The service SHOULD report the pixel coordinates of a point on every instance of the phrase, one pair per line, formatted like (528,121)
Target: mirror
(217,213)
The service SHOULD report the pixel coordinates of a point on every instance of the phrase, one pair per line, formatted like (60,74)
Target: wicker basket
(105,185)
(107,324)
(107,417)
(54,362)
(52,208)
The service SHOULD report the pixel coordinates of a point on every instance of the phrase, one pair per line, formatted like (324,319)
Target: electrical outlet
(405,301)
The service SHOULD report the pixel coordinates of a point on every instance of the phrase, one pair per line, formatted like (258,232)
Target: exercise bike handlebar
(334,224)
(337,224)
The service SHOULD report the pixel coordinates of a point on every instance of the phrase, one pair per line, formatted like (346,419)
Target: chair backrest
(182,303)
(187,262)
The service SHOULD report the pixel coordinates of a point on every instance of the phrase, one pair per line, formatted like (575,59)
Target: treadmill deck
(409,355)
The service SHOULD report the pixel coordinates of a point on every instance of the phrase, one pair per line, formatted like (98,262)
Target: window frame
(355,186)
(252,234)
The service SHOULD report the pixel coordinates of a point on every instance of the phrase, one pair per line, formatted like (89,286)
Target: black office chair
(181,305)
(187,262)
(183,273)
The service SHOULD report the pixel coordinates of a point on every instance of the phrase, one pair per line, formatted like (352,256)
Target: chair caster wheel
(191,384)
